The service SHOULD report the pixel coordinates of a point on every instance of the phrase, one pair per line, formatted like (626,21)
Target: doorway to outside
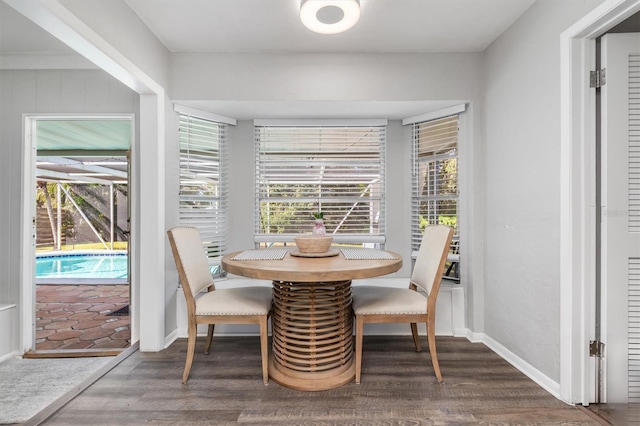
(81,223)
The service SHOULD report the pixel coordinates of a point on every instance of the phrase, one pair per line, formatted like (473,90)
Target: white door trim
(27,241)
(577,195)
(27,225)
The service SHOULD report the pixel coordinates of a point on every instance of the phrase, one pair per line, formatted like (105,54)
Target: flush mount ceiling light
(329,16)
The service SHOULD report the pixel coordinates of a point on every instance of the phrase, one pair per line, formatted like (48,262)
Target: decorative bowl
(313,243)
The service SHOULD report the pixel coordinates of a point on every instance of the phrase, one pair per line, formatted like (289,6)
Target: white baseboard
(8,331)
(9,356)
(172,337)
(460,332)
(524,367)
(474,337)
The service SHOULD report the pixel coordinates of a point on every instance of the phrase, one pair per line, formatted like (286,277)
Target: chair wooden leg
(207,345)
(191,349)
(359,337)
(431,337)
(416,339)
(264,350)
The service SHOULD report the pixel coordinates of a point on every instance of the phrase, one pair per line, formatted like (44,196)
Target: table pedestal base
(312,326)
(311,381)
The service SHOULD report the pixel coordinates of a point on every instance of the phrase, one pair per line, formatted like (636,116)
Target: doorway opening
(81,236)
(583,315)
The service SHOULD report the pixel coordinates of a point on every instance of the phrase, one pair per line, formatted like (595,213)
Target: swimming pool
(82,265)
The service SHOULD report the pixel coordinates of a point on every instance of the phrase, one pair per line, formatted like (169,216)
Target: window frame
(213,225)
(262,238)
(453,266)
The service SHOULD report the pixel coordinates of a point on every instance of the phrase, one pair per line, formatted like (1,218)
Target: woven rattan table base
(312,335)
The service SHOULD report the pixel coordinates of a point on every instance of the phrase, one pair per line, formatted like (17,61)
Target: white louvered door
(620,238)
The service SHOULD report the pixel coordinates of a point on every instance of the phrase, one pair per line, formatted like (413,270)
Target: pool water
(82,266)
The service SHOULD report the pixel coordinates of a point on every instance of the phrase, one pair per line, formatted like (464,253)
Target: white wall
(332,77)
(522,151)
(171,211)
(44,91)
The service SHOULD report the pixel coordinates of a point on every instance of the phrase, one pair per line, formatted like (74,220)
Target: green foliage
(92,199)
(276,217)
(439,190)
(423,223)
(448,220)
(442,220)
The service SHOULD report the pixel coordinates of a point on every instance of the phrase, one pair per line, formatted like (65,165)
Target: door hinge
(596,348)
(598,78)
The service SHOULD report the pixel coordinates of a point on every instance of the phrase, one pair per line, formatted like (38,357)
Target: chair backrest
(190,258)
(432,256)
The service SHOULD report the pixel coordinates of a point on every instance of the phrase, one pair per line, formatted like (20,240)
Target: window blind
(203,176)
(435,177)
(338,170)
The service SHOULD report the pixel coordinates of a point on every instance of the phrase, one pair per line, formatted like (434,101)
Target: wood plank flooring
(618,414)
(398,388)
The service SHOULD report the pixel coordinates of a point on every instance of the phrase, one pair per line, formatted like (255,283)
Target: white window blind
(203,198)
(336,169)
(435,177)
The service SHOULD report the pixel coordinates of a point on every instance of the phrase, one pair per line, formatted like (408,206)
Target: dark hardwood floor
(398,388)
(618,414)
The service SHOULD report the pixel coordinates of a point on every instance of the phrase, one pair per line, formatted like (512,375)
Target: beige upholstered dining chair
(374,304)
(240,305)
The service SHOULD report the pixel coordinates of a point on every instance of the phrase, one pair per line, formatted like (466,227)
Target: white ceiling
(269,26)
(274,25)
(19,36)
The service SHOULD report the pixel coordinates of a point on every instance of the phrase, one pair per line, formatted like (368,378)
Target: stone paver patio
(76,317)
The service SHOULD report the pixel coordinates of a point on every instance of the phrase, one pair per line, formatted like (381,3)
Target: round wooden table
(311,321)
